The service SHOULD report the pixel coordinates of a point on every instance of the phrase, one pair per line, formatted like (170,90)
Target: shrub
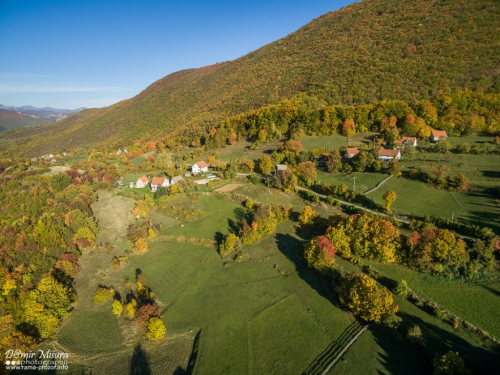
(102,294)
(117,308)
(401,288)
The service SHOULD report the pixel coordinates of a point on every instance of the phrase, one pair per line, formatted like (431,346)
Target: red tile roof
(385,152)
(439,133)
(144,179)
(409,139)
(202,164)
(352,151)
(158,181)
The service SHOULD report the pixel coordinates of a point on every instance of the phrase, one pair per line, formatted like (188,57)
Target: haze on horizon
(73,54)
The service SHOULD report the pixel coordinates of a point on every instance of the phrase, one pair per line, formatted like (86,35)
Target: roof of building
(177,178)
(399,142)
(352,151)
(144,179)
(281,167)
(386,152)
(409,139)
(202,164)
(158,181)
(439,133)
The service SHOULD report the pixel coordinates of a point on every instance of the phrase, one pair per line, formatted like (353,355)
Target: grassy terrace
(419,198)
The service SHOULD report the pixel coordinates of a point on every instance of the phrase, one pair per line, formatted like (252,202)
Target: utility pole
(452,216)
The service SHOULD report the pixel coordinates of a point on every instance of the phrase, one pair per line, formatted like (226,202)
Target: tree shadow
(437,341)
(491,174)
(179,371)
(139,363)
(493,291)
(321,362)
(194,354)
(293,249)
(233,226)
(218,237)
(239,213)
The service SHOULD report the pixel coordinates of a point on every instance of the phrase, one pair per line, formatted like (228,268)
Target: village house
(199,167)
(142,182)
(388,155)
(281,167)
(351,152)
(409,141)
(438,135)
(159,182)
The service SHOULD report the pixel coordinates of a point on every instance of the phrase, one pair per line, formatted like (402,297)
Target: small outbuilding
(438,135)
(142,182)
(351,152)
(388,155)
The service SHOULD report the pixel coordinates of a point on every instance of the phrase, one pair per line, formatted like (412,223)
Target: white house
(409,141)
(388,155)
(351,152)
(199,167)
(141,182)
(438,135)
(159,182)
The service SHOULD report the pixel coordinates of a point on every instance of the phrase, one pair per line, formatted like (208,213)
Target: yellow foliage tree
(307,215)
(156,329)
(389,197)
(141,245)
(362,296)
(131,309)
(117,308)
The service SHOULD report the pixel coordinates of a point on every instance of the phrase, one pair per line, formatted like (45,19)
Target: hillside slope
(13,120)
(365,52)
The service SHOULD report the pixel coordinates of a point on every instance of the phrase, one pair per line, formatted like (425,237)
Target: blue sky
(70,54)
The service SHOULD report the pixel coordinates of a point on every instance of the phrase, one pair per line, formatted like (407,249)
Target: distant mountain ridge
(41,112)
(363,53)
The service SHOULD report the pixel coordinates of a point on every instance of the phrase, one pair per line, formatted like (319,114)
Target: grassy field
(477,304)
(336,141)
(221,216)
(471,139)
(380,352)
(364,181)
(482,171)
(419,198)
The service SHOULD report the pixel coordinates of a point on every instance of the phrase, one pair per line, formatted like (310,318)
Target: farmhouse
(141,182)
(388,155)
(438,135)
(199,167)
(351,152)
(409,141)
(159,182)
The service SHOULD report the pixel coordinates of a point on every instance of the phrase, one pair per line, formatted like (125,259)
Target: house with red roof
(409,141)
(438,135)
(142,182)
(199,167)
(159,182)
(351,152)
(388,155)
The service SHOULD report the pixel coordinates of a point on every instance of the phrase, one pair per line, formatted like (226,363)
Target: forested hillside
(366,52)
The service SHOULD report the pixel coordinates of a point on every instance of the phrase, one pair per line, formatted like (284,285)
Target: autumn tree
(334,161)
(141,245)
(361,295)
(156,329)
(389,197)
(340,241)
(450,364)
(439,172)
(265,165)
(307,215)
(306,171)
(319,253)
(348,128)
(394,167)
(117,308)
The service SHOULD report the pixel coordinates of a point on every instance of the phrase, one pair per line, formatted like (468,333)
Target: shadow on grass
(139,363)
(437,341)
(293,249)
(491,290)
(322,361)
